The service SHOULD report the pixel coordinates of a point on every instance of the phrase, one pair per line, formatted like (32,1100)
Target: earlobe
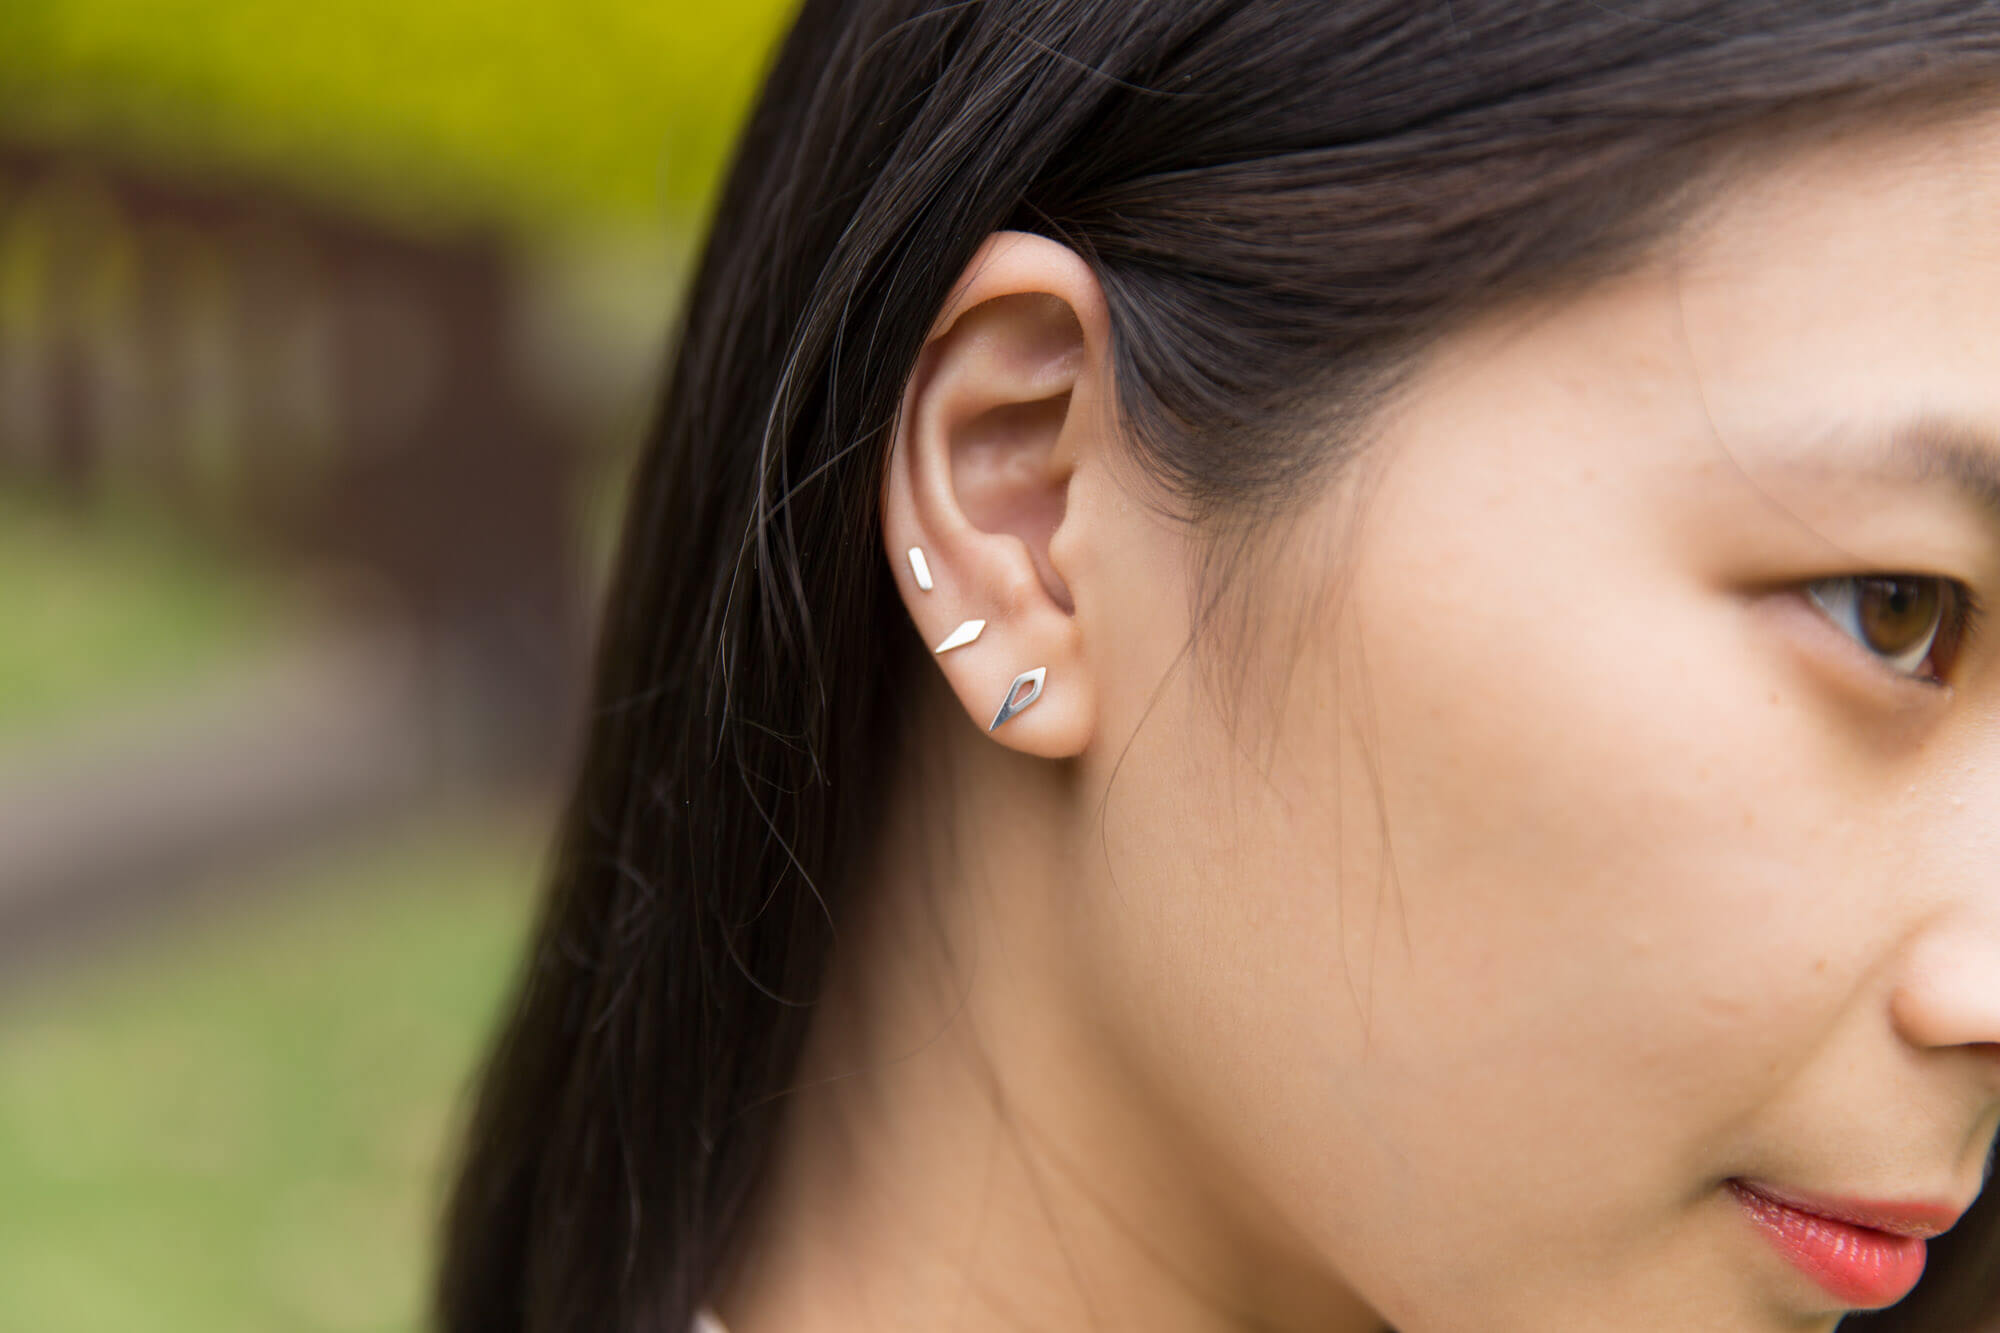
(986,450)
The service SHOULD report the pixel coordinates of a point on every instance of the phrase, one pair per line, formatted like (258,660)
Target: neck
(971,1146)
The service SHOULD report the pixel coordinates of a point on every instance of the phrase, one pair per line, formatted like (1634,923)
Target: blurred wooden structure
(316,387)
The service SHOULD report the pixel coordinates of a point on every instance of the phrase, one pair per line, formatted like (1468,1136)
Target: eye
(1905,620)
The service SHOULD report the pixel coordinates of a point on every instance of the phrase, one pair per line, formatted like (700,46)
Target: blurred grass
(237,1126)
(112,609)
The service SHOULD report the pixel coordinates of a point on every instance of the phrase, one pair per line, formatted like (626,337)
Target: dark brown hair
(1283,201)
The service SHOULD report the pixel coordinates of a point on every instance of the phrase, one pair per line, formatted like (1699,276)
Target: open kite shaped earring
(1010,706)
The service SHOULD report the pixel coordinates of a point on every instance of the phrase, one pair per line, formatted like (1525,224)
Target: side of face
(1563,860)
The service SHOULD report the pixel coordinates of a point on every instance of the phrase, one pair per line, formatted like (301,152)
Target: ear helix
(969,630)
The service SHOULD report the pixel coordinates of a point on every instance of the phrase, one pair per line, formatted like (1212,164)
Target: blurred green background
(326,338)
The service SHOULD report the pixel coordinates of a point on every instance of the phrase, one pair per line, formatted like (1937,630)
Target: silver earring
(1010,706)
(920,567)
(961,636)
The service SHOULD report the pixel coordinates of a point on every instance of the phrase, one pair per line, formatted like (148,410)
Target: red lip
(1921,1218)
(1865,1253)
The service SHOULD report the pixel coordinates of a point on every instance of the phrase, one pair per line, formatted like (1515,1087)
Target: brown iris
(1897,613)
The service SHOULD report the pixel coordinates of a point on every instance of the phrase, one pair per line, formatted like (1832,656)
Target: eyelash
(1958,619)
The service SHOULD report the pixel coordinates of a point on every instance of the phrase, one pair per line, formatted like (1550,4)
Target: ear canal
(1010,706)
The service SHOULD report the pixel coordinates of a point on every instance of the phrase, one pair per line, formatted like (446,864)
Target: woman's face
(1558,858)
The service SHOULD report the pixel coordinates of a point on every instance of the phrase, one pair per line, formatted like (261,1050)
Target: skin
(1527,858)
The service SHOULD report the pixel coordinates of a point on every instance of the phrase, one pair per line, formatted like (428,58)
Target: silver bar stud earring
(961,636)
(920,567)
(1010,706)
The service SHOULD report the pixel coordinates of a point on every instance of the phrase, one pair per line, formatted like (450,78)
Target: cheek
(1612,902)
(1506,896)
(1576,884)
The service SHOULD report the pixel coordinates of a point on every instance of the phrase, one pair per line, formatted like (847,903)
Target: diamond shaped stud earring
(961,636)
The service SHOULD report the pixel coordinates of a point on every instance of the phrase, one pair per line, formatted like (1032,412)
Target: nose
(1947,995)
(1949,992)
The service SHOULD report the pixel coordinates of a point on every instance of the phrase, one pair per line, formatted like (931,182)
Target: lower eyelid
(1828,648)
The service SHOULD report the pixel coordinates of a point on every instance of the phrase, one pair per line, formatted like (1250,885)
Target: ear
(1006,398)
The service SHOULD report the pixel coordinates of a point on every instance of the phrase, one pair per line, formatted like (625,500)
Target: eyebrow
(1934,447)
(1963,453)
